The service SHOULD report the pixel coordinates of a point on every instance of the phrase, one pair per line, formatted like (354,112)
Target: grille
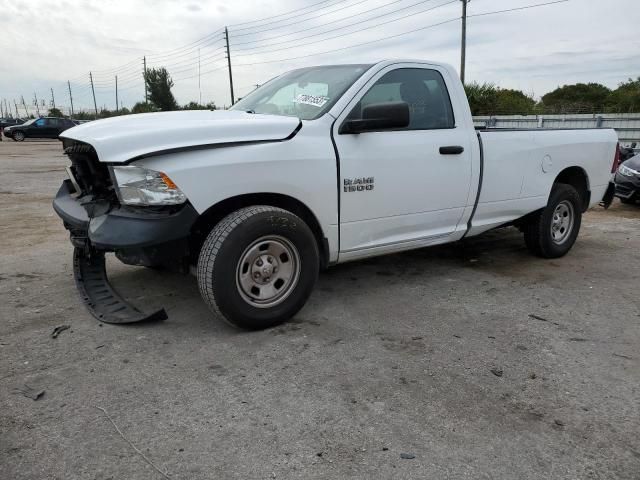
(92,176)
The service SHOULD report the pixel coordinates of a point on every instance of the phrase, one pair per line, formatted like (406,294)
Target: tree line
(484,99)
(489,99)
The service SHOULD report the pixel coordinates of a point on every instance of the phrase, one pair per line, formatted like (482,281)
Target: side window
(53,122)
(424,90)
(40,122)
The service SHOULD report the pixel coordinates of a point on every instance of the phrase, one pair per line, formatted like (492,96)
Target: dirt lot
(391,356)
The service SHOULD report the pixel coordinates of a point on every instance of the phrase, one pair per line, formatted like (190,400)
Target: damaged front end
(98,222)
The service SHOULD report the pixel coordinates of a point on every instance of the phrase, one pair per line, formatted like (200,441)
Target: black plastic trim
(475,205)
(338,177)
(101,299)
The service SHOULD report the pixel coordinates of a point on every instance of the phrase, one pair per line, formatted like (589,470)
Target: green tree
(625,98)
(159,85)
(589,97)
(482,97)
(55,112)
(515,102)
(197,106)
(142,107)
(488,99)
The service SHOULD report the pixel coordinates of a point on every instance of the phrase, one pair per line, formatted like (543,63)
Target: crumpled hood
(119,139)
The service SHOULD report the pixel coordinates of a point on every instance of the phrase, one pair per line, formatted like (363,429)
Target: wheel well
(217,212)
(578,179)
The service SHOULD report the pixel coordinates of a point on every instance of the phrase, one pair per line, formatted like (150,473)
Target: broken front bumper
(138,237)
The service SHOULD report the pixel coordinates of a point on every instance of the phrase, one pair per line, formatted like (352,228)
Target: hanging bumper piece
(100,298)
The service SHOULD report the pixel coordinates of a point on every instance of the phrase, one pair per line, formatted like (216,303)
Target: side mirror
(379,116)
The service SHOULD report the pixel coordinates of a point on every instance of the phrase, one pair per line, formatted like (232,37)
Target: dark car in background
(9,122)
(43,127)
(627,180)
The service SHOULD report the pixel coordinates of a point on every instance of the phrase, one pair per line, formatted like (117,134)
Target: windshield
(29,122)
(306,93)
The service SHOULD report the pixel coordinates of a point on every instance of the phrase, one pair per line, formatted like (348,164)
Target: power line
(328,23)
(526,7)
(286,13)
(187,50)
(392,36)
(297,21)
(412,14)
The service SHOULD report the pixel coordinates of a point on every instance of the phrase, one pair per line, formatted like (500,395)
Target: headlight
(141,186)
(628,172)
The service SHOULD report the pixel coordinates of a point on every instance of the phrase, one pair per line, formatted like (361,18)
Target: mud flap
(607,200)
(100,298)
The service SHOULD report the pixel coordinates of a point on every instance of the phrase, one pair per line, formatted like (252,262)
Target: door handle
(451,150)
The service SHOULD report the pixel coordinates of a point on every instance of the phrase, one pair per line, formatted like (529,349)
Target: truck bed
(519,166)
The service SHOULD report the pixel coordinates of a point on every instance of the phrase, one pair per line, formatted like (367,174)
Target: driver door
(397,189)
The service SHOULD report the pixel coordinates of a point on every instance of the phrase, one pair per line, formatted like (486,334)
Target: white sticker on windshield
(315,100)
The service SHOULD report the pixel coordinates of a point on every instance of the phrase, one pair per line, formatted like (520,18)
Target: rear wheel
(18,136)
(552,232)
(628,201)
(258,266)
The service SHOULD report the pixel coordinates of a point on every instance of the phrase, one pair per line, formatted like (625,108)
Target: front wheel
(552,232)
(258,266)
(18,136)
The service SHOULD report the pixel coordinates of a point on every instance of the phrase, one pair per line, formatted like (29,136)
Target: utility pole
(463,50)
(35,99)
(95,105)
(2,108)
(53,99)
(15,104)
(116,94)
(144,77)
(70,98)
(199,88)
(226,38)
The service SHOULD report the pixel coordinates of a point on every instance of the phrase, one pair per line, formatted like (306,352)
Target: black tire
(542,231)
(225,259)
(628,201)
(18,136)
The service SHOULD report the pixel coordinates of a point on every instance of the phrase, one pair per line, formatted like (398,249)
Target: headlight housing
(145,187)
(628,172)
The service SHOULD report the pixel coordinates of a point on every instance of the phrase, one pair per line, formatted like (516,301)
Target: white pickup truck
(319,166)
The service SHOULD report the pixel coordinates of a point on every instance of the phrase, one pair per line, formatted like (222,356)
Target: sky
(47,44)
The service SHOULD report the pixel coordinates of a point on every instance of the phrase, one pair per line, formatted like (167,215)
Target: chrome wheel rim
(19,136)
(268,271)
(562,222)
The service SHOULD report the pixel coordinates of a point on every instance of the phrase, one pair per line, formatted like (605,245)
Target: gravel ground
(475,360)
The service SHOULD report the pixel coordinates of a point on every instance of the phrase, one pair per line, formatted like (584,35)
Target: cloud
(534,50)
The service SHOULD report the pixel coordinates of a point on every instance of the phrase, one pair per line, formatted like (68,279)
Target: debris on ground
(30,392)
(542,319)
(559,423)
(622,356)
(407,456)
(59,329)
(497,371)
